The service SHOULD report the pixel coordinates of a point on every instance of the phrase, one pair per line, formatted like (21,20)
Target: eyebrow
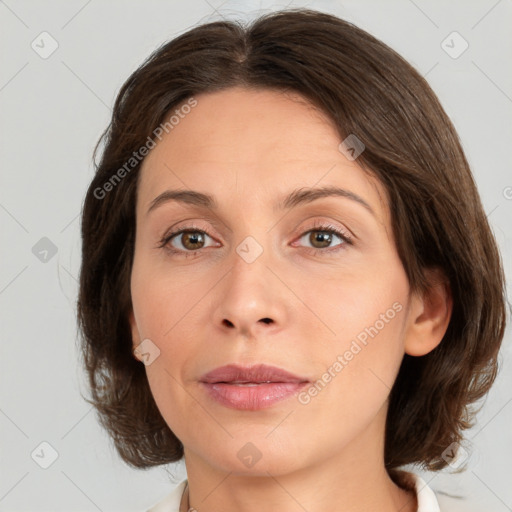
(293,199)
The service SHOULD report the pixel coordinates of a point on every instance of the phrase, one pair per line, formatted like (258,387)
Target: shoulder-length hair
(411,146)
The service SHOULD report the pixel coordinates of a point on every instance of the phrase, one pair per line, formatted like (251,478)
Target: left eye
(323,238)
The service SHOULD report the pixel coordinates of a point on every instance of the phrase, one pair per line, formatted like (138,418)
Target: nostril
(266,320)
(227,322)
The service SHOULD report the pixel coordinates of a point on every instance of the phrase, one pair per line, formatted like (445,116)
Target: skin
(249,149)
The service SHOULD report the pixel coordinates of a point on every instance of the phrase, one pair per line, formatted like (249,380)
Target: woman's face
(264,278)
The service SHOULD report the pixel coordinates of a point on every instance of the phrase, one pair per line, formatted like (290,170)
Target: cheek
(361,351)
(364,305)
(167,316)
(357,368)
(162,299)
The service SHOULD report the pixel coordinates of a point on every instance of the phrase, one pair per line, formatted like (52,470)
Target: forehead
(239,122)
(244,146)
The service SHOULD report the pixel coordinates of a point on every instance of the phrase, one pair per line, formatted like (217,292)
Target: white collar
(427,500)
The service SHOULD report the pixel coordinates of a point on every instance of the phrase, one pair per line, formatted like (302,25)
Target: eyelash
(318,226)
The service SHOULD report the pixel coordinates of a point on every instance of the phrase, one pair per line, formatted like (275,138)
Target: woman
(288,277)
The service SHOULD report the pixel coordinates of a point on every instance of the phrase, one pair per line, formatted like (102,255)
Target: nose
(250,300)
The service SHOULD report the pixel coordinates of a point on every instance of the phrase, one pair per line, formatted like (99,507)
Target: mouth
(247,383)
(256,374)
(251,388)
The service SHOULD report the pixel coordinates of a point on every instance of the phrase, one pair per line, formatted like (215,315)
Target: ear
(135,333)
(429,315)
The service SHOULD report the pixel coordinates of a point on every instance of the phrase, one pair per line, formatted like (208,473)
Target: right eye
(186,240)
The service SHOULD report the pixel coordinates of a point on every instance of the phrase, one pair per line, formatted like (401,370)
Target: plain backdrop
(62,64)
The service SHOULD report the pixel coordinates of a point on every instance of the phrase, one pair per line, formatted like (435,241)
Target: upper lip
(247,374)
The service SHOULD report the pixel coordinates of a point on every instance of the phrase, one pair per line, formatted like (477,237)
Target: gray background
(53,111)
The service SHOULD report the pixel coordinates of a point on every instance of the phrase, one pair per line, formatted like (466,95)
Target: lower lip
(252,398)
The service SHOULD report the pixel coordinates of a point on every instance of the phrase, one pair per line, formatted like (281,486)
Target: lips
(251,388)
(258,374)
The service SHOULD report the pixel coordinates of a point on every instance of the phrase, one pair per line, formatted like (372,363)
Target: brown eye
(320,239)
(324,238)
(192,240)
(186,240)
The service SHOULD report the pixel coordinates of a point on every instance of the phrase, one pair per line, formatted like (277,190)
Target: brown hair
(411,146)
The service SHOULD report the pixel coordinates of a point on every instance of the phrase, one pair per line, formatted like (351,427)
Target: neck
(352,479)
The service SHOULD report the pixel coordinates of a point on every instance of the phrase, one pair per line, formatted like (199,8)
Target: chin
(248,455)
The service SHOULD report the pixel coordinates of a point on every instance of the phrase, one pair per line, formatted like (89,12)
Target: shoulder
(170,502)
(449,503)
(427,499)
(435,500)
